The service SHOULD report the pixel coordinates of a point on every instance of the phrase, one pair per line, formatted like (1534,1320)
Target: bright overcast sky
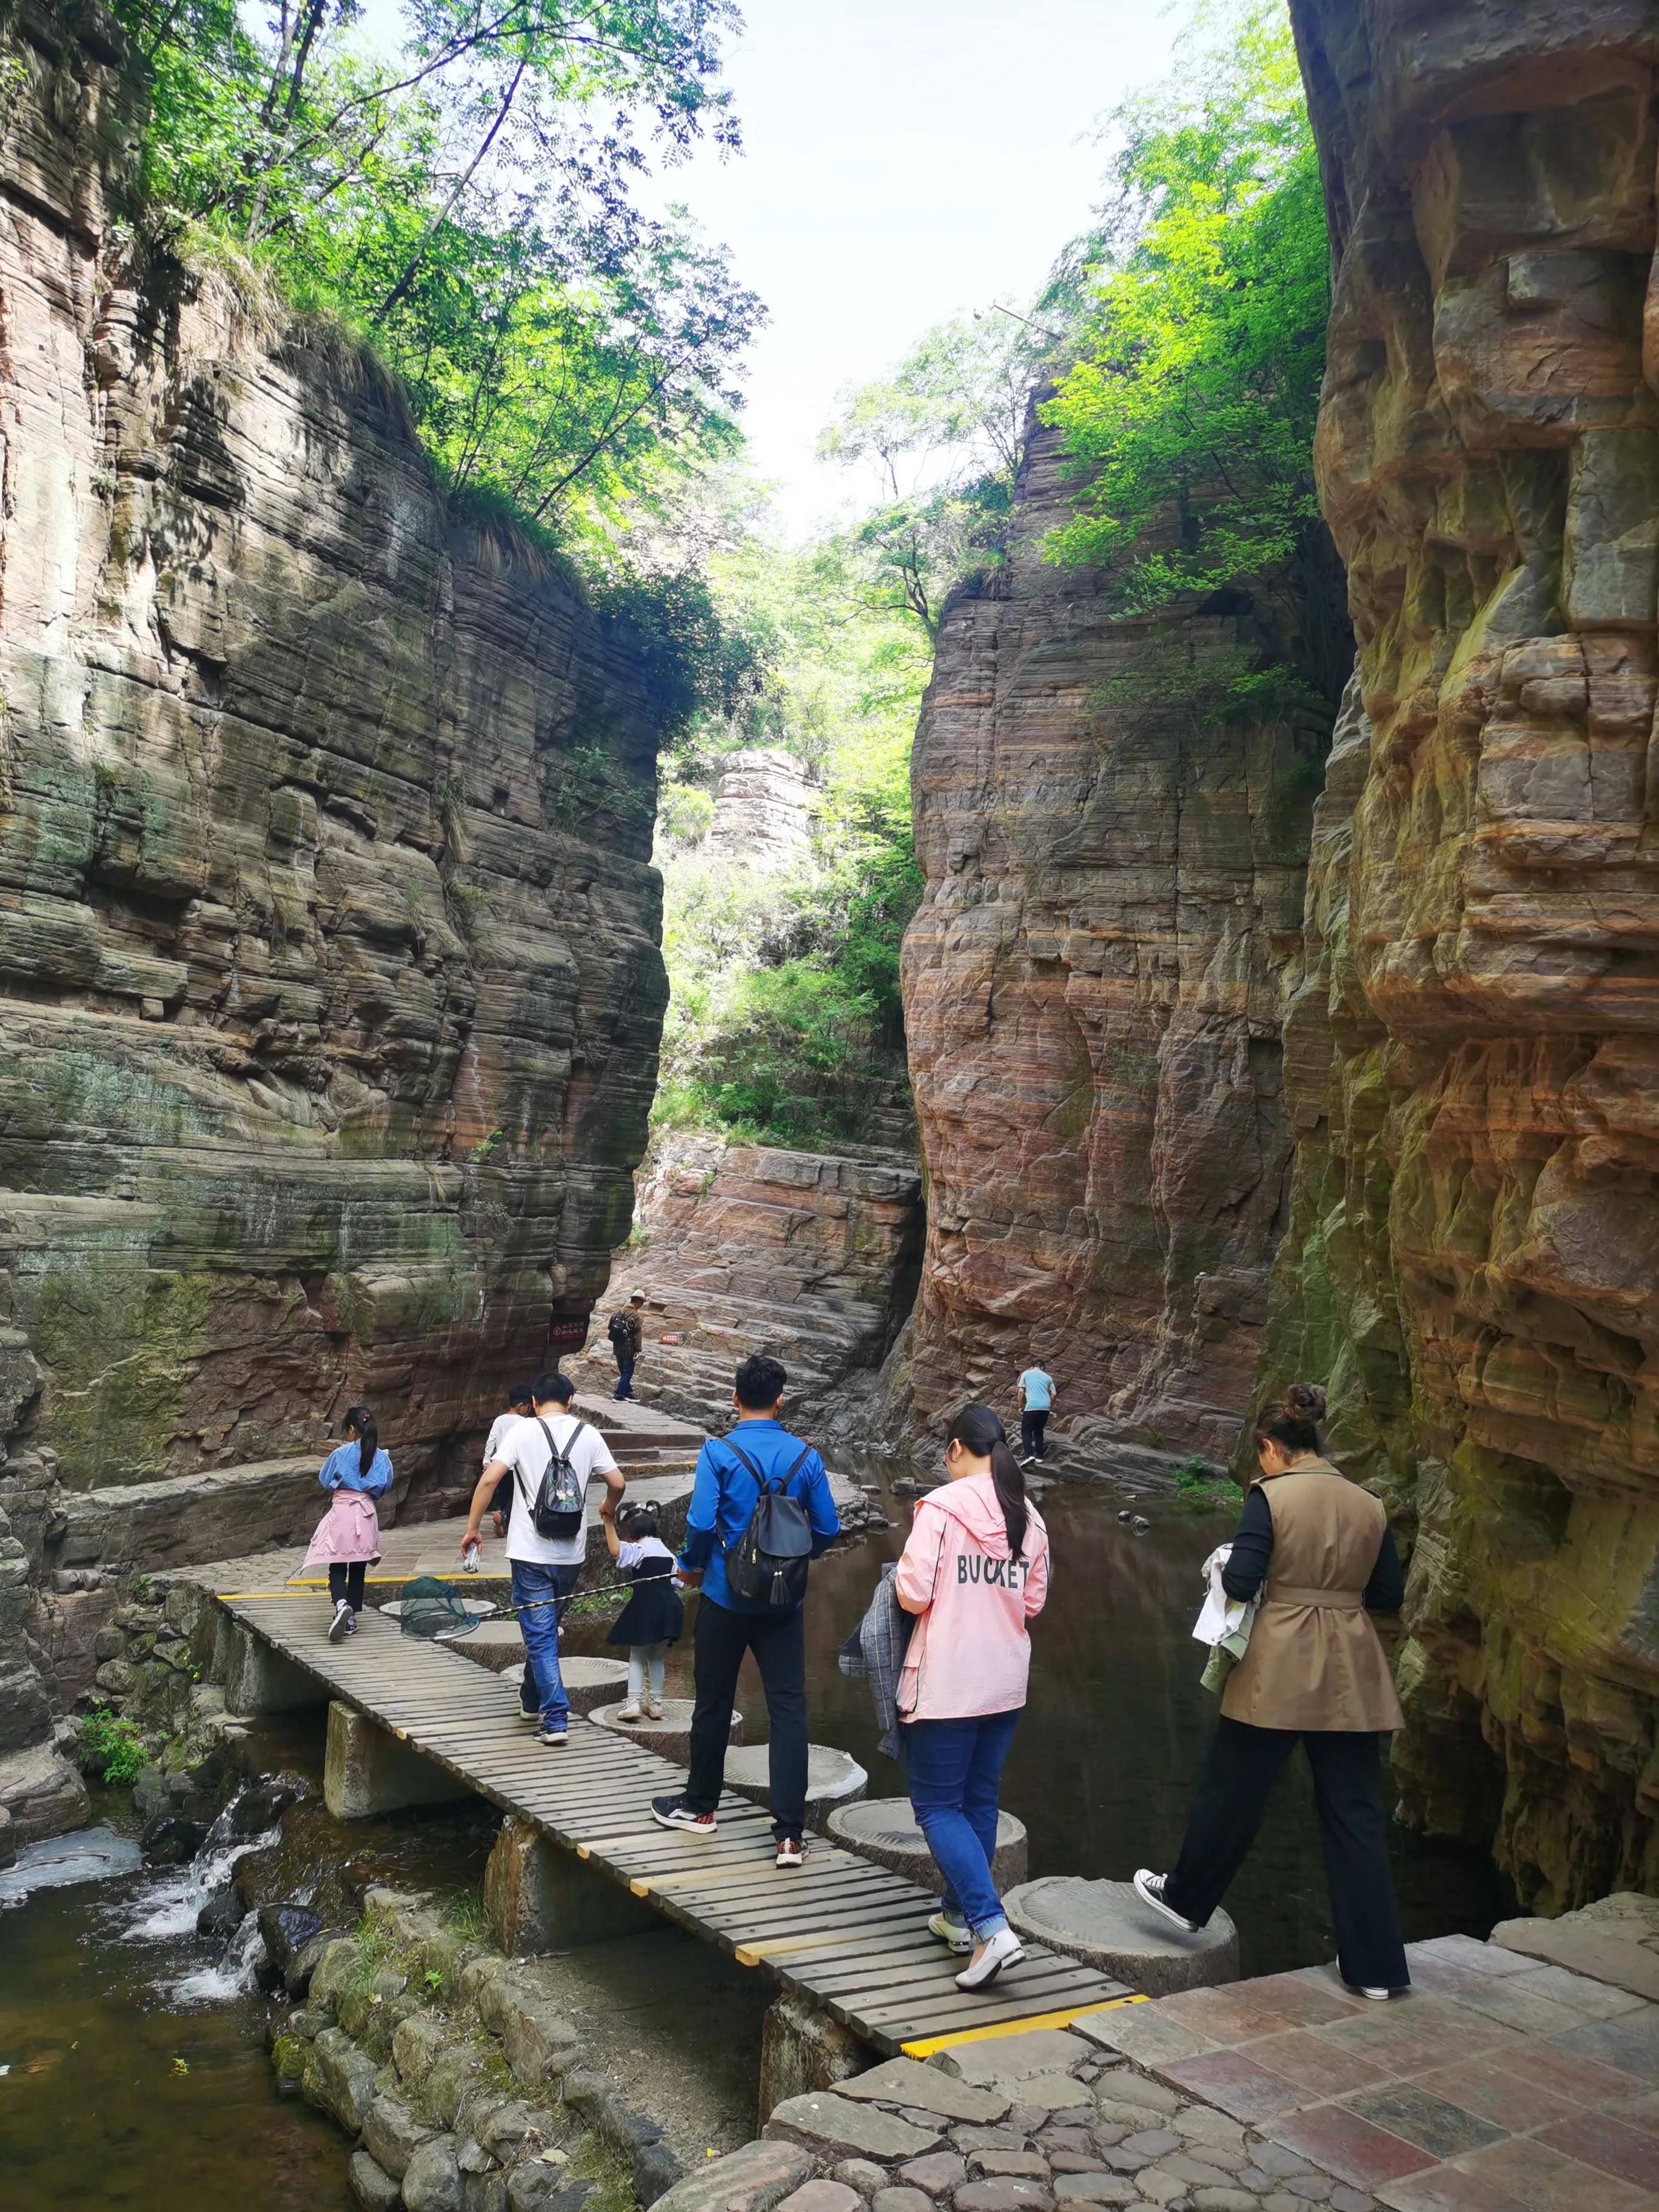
(904,161)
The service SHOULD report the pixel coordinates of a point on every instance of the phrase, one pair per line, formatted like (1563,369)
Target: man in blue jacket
(722,1499)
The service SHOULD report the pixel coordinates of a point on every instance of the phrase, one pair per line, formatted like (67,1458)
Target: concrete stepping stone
(670,1737)
(884,1829)
(1104,1925)
(834,1778)
(587,1682)
(497,1645)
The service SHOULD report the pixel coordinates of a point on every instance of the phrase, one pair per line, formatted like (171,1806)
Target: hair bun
(1306,1399)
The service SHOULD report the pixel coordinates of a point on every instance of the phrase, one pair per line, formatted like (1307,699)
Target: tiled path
(1498,2085)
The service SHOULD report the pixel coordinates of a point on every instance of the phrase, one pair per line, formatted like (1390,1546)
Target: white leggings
(645,1660)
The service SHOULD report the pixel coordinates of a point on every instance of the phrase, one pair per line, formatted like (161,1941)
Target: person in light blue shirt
(729,1475)
(1036,1400)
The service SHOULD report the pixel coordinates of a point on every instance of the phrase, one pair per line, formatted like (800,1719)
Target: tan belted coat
(1314,1659)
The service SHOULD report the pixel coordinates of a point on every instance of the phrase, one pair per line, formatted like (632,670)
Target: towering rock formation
(761,819)
(329,991)
(1474,1060)
(1094,986)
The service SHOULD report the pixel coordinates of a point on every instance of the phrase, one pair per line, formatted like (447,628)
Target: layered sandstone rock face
(329,992)
(1093,989)
(761,816)
(1475,1059)
(808,1255)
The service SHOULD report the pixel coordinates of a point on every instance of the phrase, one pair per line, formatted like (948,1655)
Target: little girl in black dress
(654,1617)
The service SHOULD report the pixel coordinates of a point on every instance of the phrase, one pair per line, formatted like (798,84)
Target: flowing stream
(133,2072)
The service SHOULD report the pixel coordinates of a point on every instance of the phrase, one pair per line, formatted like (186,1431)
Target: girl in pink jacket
(974,1571)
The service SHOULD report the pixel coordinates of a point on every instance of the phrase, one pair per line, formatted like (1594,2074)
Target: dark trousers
(624,1373)
(778,1641)
(1244,1763)
(345,1580)
(1032,1427)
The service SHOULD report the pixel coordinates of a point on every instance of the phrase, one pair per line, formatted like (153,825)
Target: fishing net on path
(431,1608)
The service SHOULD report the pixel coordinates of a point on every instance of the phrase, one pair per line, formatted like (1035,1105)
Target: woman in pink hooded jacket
(974,1571)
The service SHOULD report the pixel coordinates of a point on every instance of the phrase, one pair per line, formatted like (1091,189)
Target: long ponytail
(360,1418)
(977,1430)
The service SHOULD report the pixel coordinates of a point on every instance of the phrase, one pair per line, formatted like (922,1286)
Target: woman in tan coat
(1314,1671)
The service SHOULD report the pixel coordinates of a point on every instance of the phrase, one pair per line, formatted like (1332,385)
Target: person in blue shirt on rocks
(730,1473)
(1036,1402)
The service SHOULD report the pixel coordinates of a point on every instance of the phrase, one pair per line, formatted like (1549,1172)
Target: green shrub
(110,1746)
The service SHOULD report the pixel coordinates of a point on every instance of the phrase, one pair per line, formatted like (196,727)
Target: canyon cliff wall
(1094,986)
(1473,1061)
(330,987)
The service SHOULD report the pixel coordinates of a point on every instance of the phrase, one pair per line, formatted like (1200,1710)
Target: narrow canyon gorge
(329,979)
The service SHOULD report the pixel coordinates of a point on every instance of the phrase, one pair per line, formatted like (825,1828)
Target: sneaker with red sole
(675,1812)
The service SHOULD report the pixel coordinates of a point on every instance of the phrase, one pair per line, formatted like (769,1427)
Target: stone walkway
(1499,2085)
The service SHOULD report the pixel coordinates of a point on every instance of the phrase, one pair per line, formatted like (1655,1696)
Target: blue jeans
(624,1375)
(533,1586)
(953,1769)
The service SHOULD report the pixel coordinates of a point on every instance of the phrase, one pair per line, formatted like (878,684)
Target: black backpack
(619,1328)
(768,1564)
(561,1498)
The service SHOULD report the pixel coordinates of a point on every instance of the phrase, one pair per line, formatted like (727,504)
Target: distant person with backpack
(974,1570)
(347,1541)
(550,1458)
(761,1511)
(626,1329)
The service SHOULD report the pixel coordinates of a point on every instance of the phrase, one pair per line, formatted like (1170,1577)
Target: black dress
(654,1613)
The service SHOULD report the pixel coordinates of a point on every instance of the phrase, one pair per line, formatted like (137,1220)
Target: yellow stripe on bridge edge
(1016,2026)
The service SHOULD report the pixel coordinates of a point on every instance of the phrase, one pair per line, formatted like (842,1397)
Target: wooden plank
(1050,1983)
(1064,2018)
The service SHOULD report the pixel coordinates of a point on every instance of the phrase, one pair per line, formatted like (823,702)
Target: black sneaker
(1149,1888)
(675,1812)
(790,1853)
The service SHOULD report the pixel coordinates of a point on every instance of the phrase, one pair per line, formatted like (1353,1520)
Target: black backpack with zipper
(561,1500)
(768,1564)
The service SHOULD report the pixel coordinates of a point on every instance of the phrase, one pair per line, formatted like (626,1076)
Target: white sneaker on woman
(1003,1949)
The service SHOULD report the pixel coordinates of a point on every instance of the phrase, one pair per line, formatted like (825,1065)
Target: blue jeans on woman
(540,1594)
(953,1769)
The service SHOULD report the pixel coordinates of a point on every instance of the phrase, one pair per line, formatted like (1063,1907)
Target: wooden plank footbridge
(844,1934)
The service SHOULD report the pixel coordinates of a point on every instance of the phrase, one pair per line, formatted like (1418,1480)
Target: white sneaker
(1003,1949)
(342,1625)
(1377,1996)
(955,1934)
(1149,1888)
(630,1714)
(654,1709)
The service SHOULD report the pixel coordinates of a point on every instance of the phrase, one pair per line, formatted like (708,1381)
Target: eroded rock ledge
(1474,1056)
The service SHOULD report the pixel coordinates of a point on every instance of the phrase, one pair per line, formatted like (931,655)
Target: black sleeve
(1386,1590)
(1253,1547)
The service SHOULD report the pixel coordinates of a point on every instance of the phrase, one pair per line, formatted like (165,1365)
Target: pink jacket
(969,1653)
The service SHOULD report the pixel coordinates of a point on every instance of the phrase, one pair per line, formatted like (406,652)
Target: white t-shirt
(525,1449)
(498,1429)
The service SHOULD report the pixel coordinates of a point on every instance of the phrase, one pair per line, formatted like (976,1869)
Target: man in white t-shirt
(544,1568)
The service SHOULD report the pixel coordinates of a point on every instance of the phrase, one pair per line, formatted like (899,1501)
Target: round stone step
(834,1778)
(493,1643)
(587,1682)
(1104,1925)
(884,1829)
(670,1737)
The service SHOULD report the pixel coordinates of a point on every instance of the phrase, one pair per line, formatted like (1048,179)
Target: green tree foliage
(464,203)
(1189,409)
(785,1015)
(942,436)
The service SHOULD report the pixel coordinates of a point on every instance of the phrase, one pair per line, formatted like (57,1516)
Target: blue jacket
(339,1472)
(723,1498)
